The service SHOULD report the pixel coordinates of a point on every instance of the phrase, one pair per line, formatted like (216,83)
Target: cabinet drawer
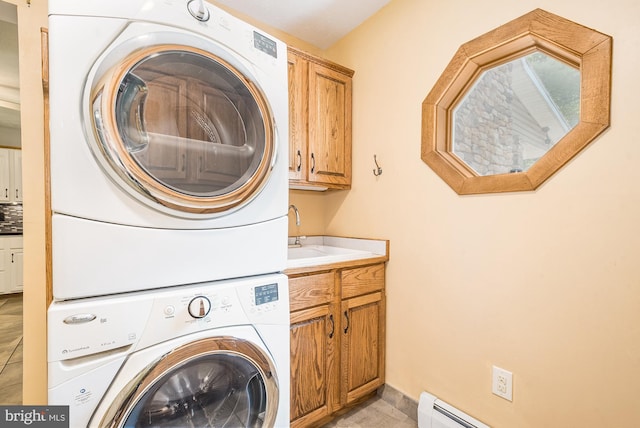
(311,290)
(368,279)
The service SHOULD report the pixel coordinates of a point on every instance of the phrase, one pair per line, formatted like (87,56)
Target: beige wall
(545,284)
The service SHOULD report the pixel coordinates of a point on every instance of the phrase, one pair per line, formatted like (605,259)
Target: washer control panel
(140,319)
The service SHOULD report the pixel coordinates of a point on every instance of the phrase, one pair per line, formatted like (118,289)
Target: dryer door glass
(184,128)
(218,390)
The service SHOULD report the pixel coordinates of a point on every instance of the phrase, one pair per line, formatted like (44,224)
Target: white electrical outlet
(502,383)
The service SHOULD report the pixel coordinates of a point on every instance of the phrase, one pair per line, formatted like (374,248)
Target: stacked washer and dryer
(168,148)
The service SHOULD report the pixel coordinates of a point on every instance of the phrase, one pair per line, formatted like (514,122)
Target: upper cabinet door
(320,123)
(298,115)
(329,126)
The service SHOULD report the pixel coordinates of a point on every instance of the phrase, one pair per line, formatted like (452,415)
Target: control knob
(199,307)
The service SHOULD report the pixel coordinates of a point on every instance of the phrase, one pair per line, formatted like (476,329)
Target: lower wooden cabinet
(362,350)
(313,355)
(337,340)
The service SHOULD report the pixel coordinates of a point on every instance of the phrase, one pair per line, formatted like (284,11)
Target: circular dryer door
(214,382)
(183,128)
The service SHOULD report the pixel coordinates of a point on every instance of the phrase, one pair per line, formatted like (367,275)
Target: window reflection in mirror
(520,102)
(514,113)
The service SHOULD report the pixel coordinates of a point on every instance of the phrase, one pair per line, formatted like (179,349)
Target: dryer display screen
(265,294)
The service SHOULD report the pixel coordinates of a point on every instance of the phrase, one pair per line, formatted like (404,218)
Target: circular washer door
(214,382)
(183,130)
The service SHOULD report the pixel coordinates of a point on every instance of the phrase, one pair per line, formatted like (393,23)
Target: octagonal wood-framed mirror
(492,122)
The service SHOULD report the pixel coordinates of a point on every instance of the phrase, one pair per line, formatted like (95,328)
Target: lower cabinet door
(313,365)
(363,336)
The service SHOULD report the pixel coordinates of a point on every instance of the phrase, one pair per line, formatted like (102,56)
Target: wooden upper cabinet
(320,107)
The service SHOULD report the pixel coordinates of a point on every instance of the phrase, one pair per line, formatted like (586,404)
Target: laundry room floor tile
(11,395)
(11,350)
(375,413)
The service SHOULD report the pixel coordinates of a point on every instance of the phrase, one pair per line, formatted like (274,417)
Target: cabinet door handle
(313,163)
(333,326)
(299,167)
(346,315)
(12,254)
(16,193)
(184,161)
(6,193)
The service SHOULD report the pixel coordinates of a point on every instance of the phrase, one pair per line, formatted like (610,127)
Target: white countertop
(321,250)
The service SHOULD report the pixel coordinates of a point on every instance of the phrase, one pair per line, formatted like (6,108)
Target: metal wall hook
(377,171)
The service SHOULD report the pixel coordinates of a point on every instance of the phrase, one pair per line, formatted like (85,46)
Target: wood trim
(324,62)
(558,37)
(362,300)
(44,40)
(336,265)
(305,314)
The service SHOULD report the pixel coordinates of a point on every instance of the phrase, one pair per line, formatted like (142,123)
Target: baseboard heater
(434,413)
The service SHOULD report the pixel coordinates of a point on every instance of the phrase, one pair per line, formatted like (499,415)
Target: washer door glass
(220,381)
(183,128)
(220,390)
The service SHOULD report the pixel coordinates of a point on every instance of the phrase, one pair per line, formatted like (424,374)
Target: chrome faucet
(295,211)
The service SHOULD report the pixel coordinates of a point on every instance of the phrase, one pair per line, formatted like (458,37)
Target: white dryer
(168,146)
(206,355)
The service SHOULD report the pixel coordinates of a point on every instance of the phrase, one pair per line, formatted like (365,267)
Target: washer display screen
(265,294)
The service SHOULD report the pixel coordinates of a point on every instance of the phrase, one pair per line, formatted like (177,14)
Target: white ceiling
(319,22)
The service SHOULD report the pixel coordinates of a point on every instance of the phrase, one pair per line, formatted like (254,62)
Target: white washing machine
(205,355)
(168,143)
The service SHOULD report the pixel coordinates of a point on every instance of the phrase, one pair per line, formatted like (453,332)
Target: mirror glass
(514,113)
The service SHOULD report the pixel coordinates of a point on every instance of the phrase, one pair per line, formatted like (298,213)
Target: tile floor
(11,349)
(375,413)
